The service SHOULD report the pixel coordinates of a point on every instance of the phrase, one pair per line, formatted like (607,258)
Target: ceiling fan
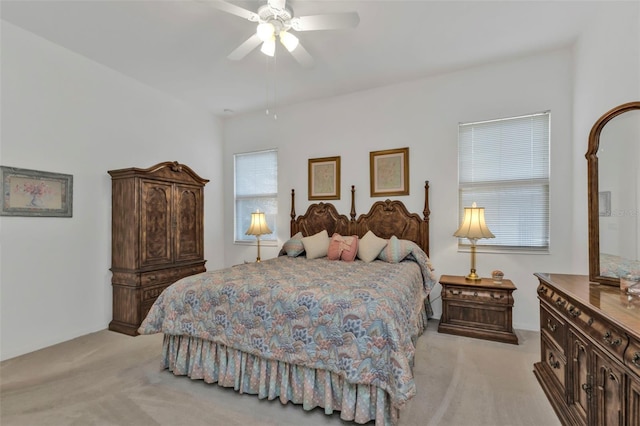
(275,19)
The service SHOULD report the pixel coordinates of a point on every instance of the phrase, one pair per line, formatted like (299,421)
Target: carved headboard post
(293,227)
(426,212)
(352,223)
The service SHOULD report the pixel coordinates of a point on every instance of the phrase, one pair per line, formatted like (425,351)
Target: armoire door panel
(156,224)
(188,222)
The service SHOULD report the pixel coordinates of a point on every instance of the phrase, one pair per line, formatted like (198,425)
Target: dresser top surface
(622,308)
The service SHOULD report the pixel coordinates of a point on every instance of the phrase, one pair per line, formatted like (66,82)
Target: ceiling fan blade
(303,57)
(335,21)
(246,47)
(232,9)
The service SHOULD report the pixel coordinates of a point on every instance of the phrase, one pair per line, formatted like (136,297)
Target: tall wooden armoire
(157,236)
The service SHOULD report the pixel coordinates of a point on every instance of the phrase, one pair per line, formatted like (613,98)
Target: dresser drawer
(553,360)
(553,327)
(632,356)
(602,331)
(498,296)
(612,339)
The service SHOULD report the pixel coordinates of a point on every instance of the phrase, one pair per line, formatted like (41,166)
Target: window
(256,187)
(503,165)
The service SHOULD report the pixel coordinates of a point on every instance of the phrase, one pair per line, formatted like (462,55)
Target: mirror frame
(592,176)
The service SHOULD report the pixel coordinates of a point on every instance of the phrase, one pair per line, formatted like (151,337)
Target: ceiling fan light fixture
(289,41)
(269,47)
(265,31)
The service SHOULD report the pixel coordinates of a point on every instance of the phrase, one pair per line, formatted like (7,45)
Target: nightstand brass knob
(550,326)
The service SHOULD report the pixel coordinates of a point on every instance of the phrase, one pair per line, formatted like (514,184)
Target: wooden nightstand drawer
(481,309)
(478,295)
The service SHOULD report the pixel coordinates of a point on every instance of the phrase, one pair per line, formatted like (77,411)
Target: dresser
(590,351)
(157,236)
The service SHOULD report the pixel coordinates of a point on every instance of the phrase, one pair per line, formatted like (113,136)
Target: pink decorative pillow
(334,247)
(344,248)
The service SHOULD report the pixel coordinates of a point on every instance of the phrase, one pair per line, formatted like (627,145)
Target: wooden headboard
(385,218)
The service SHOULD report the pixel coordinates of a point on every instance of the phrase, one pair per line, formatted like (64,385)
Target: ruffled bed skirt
(247,373)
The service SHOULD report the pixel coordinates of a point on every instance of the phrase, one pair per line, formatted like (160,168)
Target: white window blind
(503,165)
(256,187)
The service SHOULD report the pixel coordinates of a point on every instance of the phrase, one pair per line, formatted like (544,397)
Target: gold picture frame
(389,172)
(324,178)
(35,193)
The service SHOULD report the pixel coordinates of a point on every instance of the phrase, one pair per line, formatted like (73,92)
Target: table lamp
(258,227)
(473,227)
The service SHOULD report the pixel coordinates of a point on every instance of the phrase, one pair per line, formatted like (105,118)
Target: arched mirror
(613,166)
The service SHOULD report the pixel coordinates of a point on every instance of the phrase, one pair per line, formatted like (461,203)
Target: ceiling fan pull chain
(266,74)
(275,85)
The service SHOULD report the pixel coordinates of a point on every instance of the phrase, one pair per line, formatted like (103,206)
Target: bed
(305,329)
(615,266)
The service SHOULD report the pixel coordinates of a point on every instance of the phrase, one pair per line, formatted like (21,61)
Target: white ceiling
(180,47)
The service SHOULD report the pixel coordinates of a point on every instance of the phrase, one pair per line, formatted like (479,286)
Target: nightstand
(481,309)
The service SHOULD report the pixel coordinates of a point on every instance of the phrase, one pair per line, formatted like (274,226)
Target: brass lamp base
(473,276)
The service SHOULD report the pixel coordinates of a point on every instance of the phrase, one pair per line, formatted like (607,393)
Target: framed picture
(389,172)
(35,193)
(324,178)
(604,203)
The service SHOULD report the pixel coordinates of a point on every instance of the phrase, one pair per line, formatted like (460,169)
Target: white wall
(63,113)
(606,74)
(578,84)
(424,116)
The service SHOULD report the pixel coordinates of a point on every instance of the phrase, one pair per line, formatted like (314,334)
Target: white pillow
(316,245)
(370,247)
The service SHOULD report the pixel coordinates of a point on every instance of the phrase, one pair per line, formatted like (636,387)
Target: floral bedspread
(616,266)
(356,319)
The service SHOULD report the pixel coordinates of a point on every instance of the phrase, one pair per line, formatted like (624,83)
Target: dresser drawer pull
(636,359)
(607,338)
(151,277)
(542,290)
(475,294)
(574,312)
(493,296)
(456,293)
(560,302)
(553,362)
(587,389)
(590,321)
(550,326)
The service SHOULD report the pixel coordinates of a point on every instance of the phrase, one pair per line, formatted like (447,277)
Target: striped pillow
(294,246)
(396,250)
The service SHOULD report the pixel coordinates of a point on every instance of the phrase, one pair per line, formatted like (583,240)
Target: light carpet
(106,378)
